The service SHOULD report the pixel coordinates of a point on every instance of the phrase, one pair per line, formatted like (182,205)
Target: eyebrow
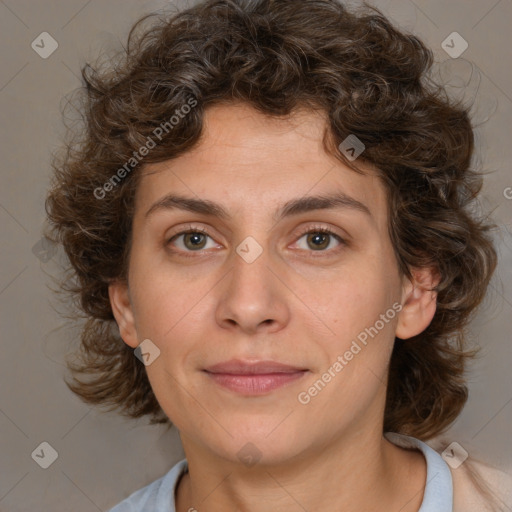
(293,207)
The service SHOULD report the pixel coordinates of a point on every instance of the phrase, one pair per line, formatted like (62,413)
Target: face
(262,282)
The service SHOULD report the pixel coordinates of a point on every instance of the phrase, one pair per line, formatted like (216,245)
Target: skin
(214,306)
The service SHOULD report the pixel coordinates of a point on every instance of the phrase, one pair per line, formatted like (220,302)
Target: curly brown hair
(371,80)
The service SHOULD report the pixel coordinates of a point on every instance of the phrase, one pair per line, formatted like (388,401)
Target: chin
(252,447)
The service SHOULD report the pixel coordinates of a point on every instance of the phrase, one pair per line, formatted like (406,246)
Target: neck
(358,471)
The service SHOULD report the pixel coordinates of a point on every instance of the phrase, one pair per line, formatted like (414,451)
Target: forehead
(253,162)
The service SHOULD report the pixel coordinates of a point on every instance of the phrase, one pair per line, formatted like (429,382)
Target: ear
(418,303)
(120,302)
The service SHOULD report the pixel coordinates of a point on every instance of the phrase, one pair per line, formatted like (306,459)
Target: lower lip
(254,384)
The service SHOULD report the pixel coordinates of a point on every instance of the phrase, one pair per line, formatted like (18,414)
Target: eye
(319,238)
(192,240)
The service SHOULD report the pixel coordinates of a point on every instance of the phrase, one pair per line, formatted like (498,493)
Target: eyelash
(309,230)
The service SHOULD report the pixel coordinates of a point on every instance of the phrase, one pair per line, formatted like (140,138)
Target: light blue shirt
(158,496)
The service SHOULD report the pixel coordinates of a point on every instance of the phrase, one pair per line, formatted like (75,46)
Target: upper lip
(239,367)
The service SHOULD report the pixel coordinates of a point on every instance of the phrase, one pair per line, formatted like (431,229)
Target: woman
(272,204)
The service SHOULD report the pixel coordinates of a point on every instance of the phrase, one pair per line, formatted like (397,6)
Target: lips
(239,367)
(253,378)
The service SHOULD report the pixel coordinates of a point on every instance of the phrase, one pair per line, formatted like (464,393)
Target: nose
(252,298)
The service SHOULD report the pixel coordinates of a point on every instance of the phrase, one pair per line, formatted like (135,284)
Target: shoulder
(478,486)
(158,495)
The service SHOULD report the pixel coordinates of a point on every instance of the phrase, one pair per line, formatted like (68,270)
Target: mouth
(254,378)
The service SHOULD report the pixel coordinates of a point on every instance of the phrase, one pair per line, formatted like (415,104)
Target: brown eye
(193,240)
(320,239)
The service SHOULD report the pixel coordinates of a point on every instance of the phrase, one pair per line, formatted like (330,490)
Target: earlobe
(419,303)
(122,309)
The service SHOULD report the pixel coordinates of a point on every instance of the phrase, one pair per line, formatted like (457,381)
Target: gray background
(103,457)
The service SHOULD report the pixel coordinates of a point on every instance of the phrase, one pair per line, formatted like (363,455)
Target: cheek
(171,309)
(357,355)
(354,301)
(158,292)
(162,310)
